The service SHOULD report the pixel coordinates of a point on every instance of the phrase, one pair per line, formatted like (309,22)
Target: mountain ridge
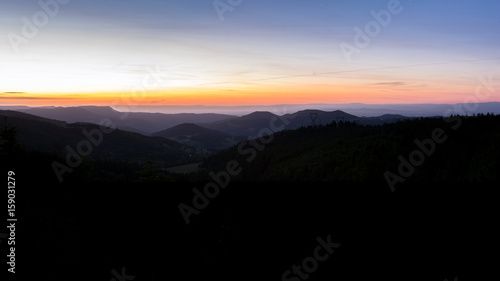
(247,125)
(139,122)
(58,137)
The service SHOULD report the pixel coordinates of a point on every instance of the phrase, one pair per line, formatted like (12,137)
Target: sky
(246,52)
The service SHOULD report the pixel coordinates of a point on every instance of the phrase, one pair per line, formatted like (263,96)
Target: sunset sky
(184,52)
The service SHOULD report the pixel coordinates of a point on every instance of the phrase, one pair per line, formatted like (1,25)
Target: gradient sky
(180,52)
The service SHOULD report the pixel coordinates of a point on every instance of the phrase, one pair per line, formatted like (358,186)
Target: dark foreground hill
(92,141)
(431,149)
(197,136)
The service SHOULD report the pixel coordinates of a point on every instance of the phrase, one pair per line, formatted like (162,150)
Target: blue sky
(107,46)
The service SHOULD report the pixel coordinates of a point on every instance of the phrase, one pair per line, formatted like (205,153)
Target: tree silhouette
(8,139)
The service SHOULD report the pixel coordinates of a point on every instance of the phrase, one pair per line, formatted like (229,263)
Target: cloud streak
(389,84)
(28,98)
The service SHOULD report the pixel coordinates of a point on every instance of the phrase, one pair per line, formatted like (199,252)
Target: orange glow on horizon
(251,95)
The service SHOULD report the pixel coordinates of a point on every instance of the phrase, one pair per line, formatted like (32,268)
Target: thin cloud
(389,83)
(26,98)
(157,101)
(355,70)
(8,96)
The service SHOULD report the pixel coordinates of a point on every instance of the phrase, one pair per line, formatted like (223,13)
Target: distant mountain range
(212,131)
(333,150)
(207,131)
(358,109)
(143,123)
(149,123)
(252,124)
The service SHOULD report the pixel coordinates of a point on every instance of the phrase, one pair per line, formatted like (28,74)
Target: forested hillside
(348,152)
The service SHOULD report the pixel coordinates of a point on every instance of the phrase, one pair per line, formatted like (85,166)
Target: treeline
(349,152)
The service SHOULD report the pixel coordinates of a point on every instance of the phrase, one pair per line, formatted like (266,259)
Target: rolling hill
(139,122)
(197,136)
(247,125)
(58,137)
(349,152)
(316,117)
(252,124)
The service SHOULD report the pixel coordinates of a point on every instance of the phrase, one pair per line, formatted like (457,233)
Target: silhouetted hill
(252,124)
(67,114)
(16,114)
(258,115)
(102,110)
(311,117)
(247,125)
(349,152)
(13,107)
(197,136)
(51,136)
(140,122)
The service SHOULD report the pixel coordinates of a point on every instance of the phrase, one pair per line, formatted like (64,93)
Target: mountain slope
(140,122)
(312,117)
(51,136)
(247,125)
(347,152)
(197,136)
(252,124)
